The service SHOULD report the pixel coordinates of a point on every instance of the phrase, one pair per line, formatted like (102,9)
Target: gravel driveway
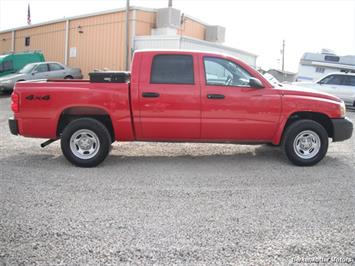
(195,204)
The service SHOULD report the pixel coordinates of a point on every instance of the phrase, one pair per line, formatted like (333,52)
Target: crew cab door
(231,110)
(169,97)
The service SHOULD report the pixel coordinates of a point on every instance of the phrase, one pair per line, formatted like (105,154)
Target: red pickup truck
(177,96)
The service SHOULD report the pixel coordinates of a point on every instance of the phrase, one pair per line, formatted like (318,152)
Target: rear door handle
(215,96)
(150,94)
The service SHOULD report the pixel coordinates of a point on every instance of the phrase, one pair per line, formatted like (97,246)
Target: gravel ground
(195,204)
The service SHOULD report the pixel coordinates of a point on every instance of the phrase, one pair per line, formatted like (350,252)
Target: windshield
(27,69)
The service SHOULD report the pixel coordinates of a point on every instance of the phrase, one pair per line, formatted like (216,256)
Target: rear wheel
(85,142)
(305,142)
(68,77)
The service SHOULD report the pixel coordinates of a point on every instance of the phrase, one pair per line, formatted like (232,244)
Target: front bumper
(342,129)
(13,126)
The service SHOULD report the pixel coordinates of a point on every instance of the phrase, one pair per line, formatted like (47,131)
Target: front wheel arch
(320,118)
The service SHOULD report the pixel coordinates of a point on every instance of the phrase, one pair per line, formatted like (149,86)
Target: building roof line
(218,45)
(325,63)
(90,15)
(207,43)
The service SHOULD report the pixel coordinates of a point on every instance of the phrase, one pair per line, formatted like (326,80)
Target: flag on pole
(28,15)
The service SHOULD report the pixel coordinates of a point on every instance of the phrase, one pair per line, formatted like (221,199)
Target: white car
(338,84)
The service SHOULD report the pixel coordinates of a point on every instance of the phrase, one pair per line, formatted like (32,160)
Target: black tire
(68,77)
(101,142)
(294,154)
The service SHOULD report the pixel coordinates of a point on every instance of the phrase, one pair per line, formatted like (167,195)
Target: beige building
(97,41)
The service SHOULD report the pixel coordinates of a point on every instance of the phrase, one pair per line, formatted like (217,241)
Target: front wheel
(305,142)
(85,142)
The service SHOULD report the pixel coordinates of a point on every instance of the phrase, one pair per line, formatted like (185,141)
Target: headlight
(342,109)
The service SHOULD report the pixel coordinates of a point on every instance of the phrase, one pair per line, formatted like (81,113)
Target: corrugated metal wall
(192,28)
(145,21)
(5,42)
(98,42)
(48,38)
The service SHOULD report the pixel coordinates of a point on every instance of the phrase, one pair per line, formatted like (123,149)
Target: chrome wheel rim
(84,144)
(307,144)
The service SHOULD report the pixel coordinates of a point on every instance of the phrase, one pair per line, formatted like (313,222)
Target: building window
(332,58)
(320,69)
(27,41)
(172,69)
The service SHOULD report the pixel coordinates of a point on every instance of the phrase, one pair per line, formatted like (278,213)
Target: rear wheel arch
(76,112)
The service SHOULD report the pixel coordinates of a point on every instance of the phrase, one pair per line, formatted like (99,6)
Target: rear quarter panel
(39,118)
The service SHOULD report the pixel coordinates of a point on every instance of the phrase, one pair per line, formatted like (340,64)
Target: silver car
(339,84)
(41,70)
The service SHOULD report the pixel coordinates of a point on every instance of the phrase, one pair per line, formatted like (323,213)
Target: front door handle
(150,94)
(215,96)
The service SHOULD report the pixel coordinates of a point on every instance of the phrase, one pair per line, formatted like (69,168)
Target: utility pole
(170,3)
(283,58)
(127,35)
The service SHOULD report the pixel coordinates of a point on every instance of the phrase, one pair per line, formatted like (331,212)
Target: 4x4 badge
(33,97)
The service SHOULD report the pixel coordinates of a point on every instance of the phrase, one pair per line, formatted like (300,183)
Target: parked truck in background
(179,96)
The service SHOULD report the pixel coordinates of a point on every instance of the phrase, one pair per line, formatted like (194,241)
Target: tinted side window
(352,80)
(42,68)
(7,65)
(172,69)
(333,80)
(55,67)
(27,41)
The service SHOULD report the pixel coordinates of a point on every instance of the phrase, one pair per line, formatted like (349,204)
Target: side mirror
(255,83)
(34,72)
